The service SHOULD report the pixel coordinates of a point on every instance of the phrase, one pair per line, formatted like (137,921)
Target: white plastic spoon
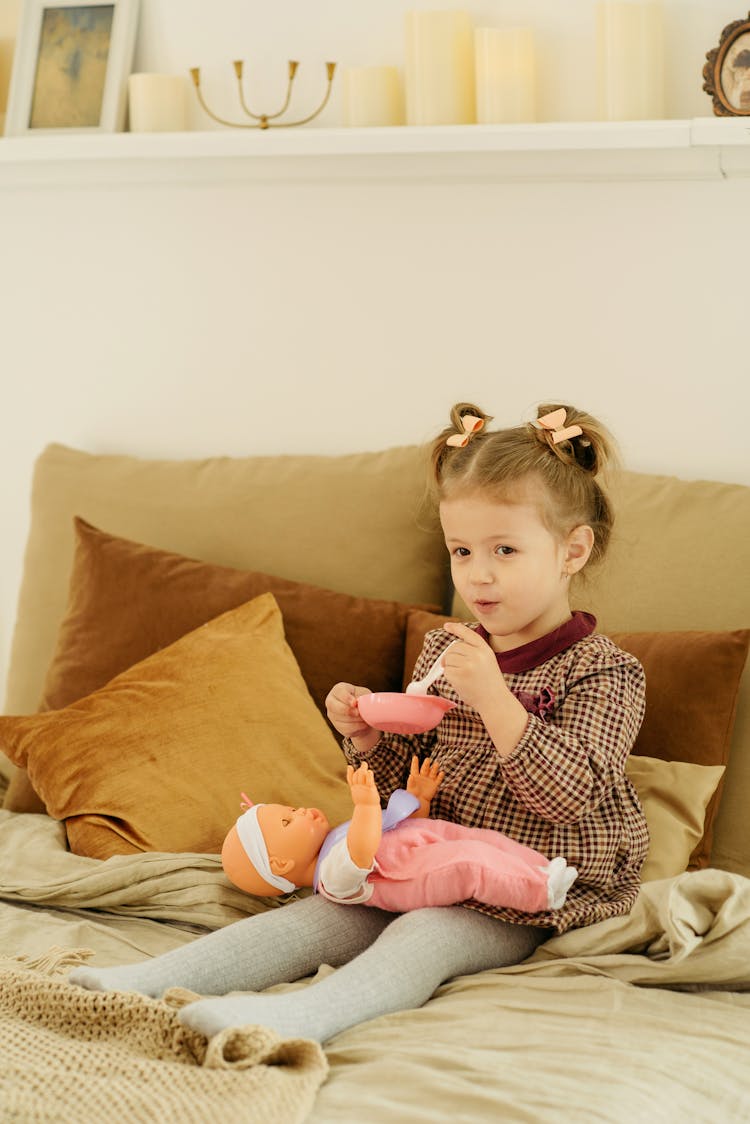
(419,686)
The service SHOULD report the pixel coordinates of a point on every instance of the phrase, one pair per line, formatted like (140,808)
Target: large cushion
(692,682)
(157,759)
(349,523)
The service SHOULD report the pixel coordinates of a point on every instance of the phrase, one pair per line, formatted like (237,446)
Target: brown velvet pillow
(157,759)
(692,682)
(127,600)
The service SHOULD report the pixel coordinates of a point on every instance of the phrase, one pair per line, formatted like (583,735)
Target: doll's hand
(423,782)
(342,711)
(471,667)
(362,785)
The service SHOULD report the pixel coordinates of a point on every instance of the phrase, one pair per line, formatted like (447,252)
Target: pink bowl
(395,713)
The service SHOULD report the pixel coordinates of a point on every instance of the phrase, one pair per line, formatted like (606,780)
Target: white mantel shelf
(702,148)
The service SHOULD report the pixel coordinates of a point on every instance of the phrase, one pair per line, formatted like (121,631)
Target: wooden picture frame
(71,65)
(726,74)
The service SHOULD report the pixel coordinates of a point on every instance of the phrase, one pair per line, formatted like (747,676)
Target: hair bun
(574,437)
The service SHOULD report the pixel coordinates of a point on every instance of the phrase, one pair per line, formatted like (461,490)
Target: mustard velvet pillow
(674,796)
(157,758)
(692,685)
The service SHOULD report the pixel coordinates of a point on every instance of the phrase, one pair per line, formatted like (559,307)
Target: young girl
(547,712)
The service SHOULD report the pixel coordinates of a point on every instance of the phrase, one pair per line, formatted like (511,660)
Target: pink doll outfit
(426,862)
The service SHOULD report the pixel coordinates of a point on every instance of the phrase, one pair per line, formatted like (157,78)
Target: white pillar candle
(6,65)
(372,95)
(439,70)
(630,44)
(505,74)
(158,103)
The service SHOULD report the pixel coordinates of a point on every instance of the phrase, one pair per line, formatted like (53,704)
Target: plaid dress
(563,789)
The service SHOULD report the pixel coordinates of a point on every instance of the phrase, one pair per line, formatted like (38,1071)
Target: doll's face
(294,834)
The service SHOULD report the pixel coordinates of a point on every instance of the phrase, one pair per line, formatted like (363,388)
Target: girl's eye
(504,550)
(285,823)
(461,552)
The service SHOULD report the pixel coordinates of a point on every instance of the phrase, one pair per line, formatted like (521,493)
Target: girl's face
(511,571)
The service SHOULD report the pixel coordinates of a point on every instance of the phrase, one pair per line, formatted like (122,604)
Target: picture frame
(726,74)
(70,67)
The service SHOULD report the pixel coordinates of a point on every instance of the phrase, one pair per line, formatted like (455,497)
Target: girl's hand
(362,785)
(342,710)
(471,667)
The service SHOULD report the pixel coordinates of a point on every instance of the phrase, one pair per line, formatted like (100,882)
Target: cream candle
(505,74)
(372,95)
(6,65)
(158,103)
(439,70)
(630,60)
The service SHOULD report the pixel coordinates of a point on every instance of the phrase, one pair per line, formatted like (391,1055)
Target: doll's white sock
(560,877)
(278,946)
(400,970)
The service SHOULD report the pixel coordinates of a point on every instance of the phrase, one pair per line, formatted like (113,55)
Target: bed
(173,644)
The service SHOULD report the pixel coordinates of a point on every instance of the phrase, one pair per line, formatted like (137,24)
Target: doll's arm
(366,827)
(423,783)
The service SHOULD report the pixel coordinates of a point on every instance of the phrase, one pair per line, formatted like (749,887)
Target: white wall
(190,320)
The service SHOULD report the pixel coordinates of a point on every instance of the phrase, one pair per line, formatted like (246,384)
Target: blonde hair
(496,462)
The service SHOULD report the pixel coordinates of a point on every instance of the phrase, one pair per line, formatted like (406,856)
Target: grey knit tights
(386,962)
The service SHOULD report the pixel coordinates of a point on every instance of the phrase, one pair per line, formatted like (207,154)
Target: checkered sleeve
(565,764)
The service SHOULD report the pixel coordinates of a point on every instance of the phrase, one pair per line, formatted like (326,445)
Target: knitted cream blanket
(67,1054)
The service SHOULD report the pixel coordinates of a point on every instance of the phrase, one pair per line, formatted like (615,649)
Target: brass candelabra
(263,120)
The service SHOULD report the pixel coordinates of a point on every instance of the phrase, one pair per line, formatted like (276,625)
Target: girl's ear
(280,866)
(578,548)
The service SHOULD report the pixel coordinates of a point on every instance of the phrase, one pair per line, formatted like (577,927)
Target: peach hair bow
(554,423)
(472,424)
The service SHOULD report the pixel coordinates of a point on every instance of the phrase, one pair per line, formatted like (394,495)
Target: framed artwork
(71,65)
(726,75)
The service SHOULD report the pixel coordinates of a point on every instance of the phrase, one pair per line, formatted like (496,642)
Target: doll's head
(273,848)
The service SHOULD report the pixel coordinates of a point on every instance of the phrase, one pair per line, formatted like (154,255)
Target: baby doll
(397,859)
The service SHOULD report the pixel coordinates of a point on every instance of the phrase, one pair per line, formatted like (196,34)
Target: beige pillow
(674,796)
(353,524)
(157,759)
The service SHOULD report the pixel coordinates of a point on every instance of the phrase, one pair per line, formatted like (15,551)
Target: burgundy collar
(539,651)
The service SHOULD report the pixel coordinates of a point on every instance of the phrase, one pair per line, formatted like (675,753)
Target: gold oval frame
(713,82)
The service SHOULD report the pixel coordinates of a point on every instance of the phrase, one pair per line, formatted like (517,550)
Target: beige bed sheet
(638,1018)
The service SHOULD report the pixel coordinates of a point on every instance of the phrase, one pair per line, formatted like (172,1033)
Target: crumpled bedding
(642,1017)
(173,887)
